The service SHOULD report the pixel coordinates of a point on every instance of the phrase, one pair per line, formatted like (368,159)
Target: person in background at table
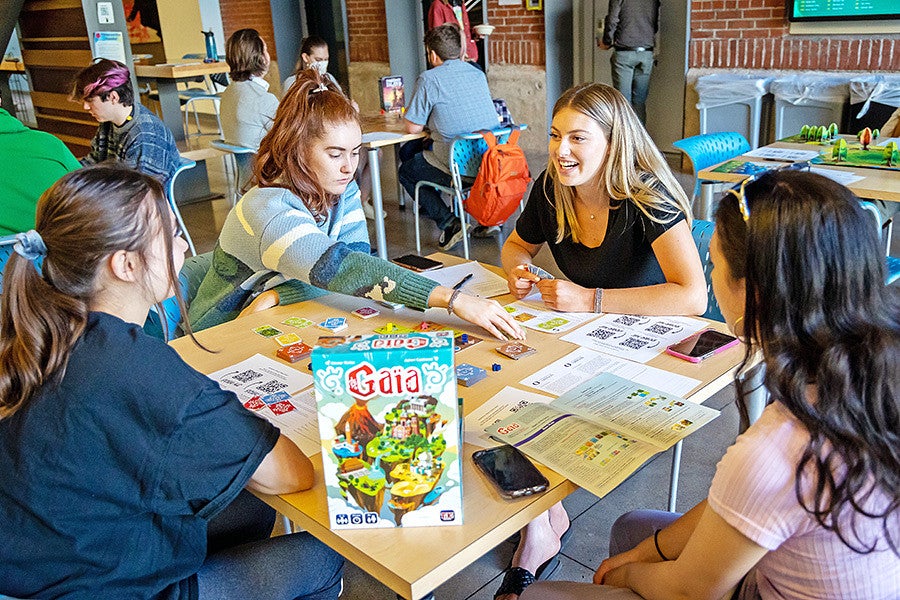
(128,132)
(32,161)
(314,55)
(301,233)
(442,12)
(123,468)
(451,99)
(630,30)
(806,503)
(617,223)
(247,107)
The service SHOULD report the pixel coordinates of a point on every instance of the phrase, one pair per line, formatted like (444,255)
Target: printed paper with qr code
(635,337)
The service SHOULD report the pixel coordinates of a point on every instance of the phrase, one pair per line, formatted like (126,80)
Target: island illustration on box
(390,430)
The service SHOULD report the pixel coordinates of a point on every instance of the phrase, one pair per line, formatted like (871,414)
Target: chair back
(170,193)
(892,264)
(708,149)
(190,277)
(702,232)
(467,149)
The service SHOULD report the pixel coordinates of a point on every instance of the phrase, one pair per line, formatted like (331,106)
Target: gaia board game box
(389,422)
(390,90)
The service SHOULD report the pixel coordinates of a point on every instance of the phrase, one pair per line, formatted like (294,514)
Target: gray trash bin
(873,98)
(809,100)
(731,102)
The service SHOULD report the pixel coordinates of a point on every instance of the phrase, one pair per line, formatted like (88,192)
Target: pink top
(753,490)
(441,14)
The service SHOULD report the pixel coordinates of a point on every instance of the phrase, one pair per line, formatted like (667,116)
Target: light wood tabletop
(415,561)
(180,70)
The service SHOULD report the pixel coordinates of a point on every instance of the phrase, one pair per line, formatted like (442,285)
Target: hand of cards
(536,270)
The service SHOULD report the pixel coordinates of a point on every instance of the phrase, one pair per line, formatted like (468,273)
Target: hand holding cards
(536,270)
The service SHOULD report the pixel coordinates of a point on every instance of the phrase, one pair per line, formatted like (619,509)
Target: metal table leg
(377,202)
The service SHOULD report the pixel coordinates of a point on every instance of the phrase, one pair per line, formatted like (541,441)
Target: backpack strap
(514,135)
(489,137)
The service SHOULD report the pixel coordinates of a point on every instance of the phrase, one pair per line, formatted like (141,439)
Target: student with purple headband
(128,132)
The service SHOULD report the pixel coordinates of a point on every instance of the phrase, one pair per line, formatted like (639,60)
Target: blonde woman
(618,225)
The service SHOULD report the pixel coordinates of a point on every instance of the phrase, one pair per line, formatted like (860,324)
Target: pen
(463,281)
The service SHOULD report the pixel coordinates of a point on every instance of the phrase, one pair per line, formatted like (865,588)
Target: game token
(334,324)
(468,375)
(286,339)
(430,326)
(267,331)
(392,328)
(464,340)
(496,367)
(330,341)
(366,312)
(515,350)
(298,322)
(294,352)
(536,270)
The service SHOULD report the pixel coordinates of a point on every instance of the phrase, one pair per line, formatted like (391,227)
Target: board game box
(389,423)
(390,90)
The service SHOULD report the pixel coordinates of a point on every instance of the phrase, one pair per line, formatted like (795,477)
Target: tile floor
(591,517)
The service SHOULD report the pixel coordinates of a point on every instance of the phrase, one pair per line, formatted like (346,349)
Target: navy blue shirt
(108,480)
(624,258)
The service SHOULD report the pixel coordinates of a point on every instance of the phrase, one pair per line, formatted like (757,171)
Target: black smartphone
(511,470)
(702,345)
(418,263)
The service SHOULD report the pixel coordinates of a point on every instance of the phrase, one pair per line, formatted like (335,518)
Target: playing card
(334,324)
(468,375)
(536,270)
(298,322)
(366,312)
(267,331)
(286,339)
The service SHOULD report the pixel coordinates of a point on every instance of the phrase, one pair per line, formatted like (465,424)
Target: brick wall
(754,34)
(367,30)
(519,35)
(243,14)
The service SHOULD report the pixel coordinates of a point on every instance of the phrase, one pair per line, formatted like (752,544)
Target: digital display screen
(842,10)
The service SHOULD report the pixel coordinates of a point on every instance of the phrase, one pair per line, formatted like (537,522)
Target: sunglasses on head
(739,190)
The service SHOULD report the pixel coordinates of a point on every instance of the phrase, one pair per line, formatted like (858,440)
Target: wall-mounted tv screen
(842,10)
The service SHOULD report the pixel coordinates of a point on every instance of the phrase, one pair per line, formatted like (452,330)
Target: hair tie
(322,88)
(30,245)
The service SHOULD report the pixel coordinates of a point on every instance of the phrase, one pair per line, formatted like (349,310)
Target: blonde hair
(634,168)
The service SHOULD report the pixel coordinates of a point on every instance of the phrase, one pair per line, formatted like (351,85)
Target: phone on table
(702,345)
(418,263)
(511,470)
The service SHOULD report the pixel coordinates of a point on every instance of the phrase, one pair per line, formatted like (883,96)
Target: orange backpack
(501,181)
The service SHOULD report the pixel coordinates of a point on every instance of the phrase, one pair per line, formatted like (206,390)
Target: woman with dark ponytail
(123,468)
(806,503)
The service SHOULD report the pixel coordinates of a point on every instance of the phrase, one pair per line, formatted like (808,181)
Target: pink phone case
(696,359)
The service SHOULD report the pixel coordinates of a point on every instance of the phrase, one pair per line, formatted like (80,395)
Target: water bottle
(211,54)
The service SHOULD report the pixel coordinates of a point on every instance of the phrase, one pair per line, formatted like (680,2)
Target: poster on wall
(109,44)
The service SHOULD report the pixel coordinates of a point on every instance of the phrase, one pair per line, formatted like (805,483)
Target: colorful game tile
(515,350)
(267,331)
(468,375)
(464,340)
(298,322)
(366,312)
(294,352)
(286,339)
(334,324)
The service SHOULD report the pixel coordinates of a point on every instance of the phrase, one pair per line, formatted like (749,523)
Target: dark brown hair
(311,105)
(83,218)
(244,53)
(818,309)
(445,40)
(102,77)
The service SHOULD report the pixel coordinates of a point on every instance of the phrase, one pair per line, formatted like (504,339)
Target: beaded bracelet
(656,543)
(451,300)
(598,299)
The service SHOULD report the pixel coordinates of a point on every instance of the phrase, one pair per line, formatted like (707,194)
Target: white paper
(842,177)
(504,403)
(483,283)
(582,364)
(378,136)
(531,312)
(634,337)
(278,393)
(785,154)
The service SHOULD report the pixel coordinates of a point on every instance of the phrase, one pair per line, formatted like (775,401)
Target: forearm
(514,254)
(661,299)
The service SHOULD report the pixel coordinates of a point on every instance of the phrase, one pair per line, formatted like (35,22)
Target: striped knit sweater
(271,240)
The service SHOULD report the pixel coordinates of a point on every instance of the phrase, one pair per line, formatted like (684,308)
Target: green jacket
(32,162)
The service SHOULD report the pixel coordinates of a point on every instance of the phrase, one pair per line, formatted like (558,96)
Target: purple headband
(107,82)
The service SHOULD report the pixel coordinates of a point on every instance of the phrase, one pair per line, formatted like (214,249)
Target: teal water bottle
(211,54)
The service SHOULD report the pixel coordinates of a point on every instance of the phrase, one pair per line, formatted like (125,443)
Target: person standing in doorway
(630,30)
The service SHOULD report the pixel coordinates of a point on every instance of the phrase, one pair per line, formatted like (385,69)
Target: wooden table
(167,77)
(372,125)
(414,562)
(877,184)
(7,68)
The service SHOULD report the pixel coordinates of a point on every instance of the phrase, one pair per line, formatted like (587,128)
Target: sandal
(515,580)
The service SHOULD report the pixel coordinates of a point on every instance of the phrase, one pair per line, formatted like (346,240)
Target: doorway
(327,19)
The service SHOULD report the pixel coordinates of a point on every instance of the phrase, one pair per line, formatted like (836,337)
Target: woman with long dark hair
(806,503)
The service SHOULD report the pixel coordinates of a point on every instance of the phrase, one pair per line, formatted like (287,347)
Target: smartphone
(511,470)
(702,345)
(418,263)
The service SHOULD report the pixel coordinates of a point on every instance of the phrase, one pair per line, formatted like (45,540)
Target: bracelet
(656,543)
(452,300)
(598,299)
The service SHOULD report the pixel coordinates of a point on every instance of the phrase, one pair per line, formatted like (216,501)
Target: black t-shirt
(624,258)
(108,480)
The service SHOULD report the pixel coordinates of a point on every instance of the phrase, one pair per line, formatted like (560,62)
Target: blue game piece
(496,367)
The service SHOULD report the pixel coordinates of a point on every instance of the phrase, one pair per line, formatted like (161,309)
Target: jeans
(257,566)
(631,76)
(431,204)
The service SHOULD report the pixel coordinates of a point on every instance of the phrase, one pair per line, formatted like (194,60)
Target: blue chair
(241,159)
(6,249)
(170,192)
(702,233)
(190,277)
(705,151)
(892,264)
(466,151)
(190,96)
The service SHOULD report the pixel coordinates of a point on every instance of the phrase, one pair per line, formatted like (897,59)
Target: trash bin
(729,100)
(808,99)
(873,98)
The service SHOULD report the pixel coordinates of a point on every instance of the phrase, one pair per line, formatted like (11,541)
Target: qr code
(602,333)
(660,328)
(627,320)
(635,343)
(246,376)
(270,387)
